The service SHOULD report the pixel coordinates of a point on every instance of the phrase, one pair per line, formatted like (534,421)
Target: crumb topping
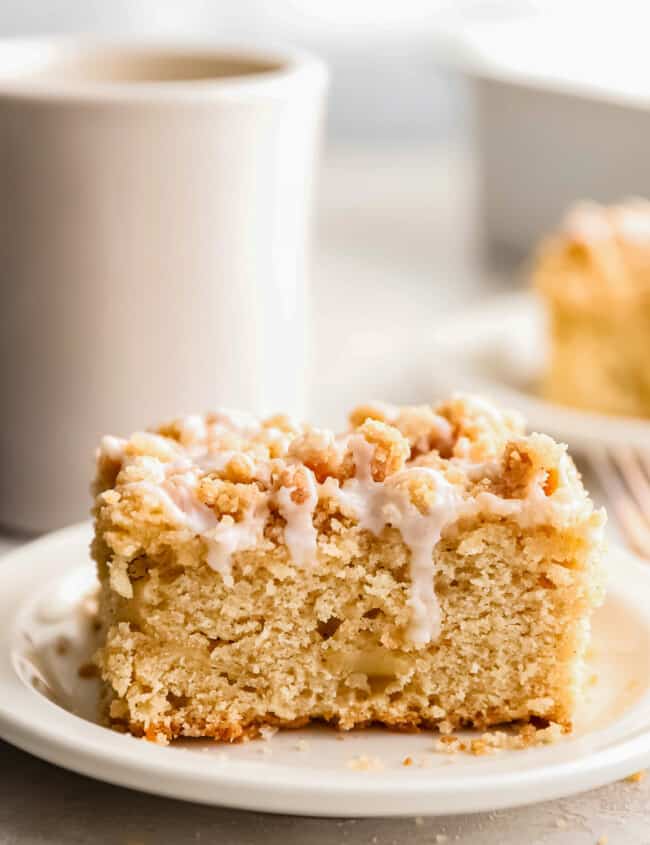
(225,477)
(629,222)
(600,256)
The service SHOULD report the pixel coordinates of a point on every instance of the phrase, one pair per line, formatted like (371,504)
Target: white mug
(153,228)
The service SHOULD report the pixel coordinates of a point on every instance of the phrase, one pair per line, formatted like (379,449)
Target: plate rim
(40,727)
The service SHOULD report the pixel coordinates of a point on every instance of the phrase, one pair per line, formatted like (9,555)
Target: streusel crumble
(432,565)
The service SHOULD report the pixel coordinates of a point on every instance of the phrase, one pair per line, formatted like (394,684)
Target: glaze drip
(300,533)
(378,505)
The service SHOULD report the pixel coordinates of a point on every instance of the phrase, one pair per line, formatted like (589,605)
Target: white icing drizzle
(218,461)
(181,489)
(300,533)
(179,502)
(281,438)
(587,223)
(421,534)
(112,447)
(536,507)
(634,223)
(230,537)
(377,505)
(224,536)
(148,442)
(444,432)
(193,428)
(590,223)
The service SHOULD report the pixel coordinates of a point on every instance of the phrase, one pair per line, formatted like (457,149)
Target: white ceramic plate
(47,709)
(498,349)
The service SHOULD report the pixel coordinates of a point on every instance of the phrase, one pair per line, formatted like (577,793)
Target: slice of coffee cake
(594,278)
(432,566)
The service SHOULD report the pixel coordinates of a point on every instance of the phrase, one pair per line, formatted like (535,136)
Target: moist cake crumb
(433,566)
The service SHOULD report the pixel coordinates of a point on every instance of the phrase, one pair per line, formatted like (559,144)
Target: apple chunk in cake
(432,565)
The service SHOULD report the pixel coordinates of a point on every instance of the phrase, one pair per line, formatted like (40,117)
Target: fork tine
(644,457)
(632,471)
(630,518)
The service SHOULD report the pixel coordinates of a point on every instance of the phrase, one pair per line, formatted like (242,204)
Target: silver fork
(624,474)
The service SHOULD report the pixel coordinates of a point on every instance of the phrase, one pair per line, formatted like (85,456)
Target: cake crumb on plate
(365,763)
(88,671)
(268,731)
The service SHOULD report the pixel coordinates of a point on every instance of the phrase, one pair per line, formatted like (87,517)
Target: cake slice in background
(594,277)
(433,566)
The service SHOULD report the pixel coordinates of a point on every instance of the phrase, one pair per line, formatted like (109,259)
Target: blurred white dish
(512,47)
(497,349)
(48,710)
(553,122)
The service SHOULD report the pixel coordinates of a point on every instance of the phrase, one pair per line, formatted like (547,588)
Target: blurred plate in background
(497,349)
(551,132)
